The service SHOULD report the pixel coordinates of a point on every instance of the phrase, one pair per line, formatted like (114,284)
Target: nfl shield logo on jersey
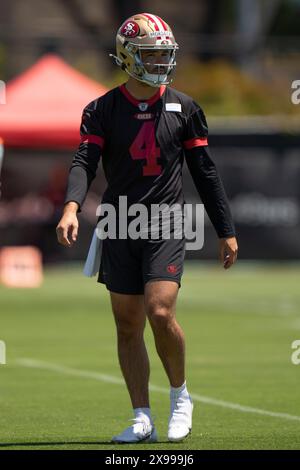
(143,106)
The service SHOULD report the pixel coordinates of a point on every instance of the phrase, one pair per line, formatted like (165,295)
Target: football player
(144,130)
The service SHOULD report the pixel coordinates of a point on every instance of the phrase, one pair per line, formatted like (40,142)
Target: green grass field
(62,388)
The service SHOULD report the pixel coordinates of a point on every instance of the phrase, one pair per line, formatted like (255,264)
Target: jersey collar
(136,102)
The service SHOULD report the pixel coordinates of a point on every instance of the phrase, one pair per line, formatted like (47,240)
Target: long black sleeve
(211,190)
(85,162)
(205,174)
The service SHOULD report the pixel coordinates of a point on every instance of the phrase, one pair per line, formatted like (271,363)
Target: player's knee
(129,327)
(160,316)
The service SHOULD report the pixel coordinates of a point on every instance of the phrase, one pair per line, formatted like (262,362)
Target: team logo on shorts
(172,268)
(130,29)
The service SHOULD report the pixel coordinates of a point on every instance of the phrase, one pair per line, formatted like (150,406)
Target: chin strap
(118,61)
(153,83)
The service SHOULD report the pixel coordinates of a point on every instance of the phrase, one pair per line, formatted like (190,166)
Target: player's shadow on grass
(74,443)
(62,443)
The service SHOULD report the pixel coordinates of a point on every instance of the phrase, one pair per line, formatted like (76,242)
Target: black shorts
(126,265)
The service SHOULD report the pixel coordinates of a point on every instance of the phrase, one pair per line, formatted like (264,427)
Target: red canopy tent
(44,105)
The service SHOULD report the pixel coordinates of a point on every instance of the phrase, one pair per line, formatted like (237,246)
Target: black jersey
(143,144)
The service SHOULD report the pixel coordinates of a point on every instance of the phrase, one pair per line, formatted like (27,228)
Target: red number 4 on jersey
(144,147)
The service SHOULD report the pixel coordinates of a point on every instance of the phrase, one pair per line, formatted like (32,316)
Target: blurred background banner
(260,168)
(237,59)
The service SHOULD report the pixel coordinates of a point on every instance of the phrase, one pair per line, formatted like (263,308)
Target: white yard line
(35,364)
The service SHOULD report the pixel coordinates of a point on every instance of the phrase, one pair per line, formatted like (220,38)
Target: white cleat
(142,430)
(180,422)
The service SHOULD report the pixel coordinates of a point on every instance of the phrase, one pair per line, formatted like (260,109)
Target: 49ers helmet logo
(130,29)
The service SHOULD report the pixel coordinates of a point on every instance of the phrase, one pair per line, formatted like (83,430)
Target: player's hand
(67,228)
(228,251)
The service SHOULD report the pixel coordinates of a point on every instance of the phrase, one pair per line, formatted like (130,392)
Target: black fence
(260,172)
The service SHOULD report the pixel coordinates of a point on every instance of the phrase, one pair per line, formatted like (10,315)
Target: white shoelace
(147,426)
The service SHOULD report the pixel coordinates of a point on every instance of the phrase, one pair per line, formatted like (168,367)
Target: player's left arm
(210,187)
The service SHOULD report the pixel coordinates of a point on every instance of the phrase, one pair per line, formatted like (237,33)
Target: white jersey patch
(176,107)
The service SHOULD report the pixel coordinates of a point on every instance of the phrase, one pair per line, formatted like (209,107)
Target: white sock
(179,391)
(141,412)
